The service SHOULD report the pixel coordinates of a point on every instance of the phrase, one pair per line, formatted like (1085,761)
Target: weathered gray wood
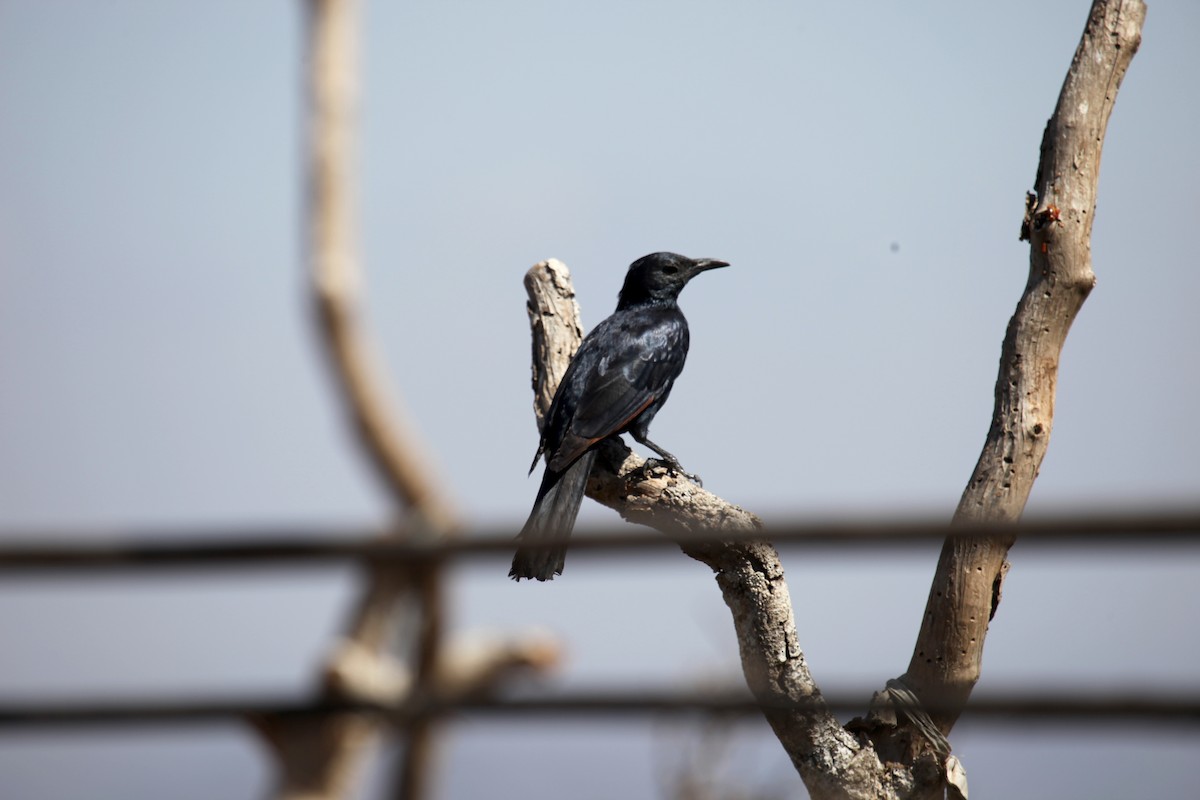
(829,759)
(554,321)
(966,587)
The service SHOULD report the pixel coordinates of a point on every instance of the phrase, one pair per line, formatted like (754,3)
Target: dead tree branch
(829,759)
(966,587)
(318,758)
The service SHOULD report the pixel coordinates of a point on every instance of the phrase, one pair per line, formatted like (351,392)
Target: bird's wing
(631,365)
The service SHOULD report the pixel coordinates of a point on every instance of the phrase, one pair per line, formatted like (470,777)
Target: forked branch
(317,758)
(886,760)
(749,574)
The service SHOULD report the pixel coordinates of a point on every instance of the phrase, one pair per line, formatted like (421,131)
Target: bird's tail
(551,520)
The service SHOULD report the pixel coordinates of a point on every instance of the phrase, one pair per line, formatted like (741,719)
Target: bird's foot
(676,467)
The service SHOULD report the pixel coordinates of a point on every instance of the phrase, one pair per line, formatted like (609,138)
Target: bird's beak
(701,264)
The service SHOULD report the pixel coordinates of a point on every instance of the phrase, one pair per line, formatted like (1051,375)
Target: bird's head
(661,276)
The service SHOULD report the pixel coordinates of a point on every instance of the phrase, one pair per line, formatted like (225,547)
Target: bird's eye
(670,270)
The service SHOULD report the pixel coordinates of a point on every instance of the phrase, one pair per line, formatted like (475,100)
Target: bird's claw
(676,467)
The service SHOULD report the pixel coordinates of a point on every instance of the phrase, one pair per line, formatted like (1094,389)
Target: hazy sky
(863,168)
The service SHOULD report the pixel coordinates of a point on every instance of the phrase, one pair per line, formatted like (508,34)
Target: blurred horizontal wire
(259,548)
(1042,707)
(228,547)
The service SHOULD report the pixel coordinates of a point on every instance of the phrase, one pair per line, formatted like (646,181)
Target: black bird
(618,380)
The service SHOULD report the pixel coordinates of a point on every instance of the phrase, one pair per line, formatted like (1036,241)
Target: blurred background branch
(318,757)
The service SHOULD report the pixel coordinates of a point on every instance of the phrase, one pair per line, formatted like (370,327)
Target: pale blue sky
(159,367)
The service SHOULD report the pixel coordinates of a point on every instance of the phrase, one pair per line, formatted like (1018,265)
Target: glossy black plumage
(618,380)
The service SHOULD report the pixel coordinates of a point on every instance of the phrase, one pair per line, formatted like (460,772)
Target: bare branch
(966,587)
(318,758)
(554,319)
(829,759)
(335,274)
